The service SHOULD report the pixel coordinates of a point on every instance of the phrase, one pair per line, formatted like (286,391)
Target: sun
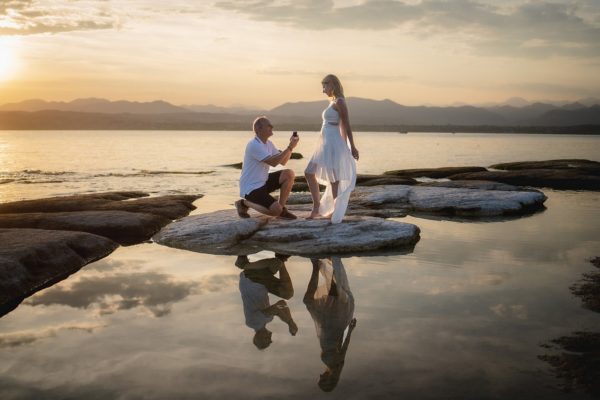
(8,59)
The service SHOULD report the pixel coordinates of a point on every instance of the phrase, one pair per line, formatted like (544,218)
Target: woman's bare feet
(314,214)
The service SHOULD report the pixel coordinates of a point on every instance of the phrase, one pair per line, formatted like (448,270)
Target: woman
(333,163)
(331,306)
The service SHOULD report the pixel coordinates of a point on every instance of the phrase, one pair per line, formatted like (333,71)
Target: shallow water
(461,316)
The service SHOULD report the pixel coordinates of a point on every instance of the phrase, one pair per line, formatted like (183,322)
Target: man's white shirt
(255,172)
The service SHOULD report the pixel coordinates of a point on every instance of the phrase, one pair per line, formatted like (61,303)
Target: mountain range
(374,114)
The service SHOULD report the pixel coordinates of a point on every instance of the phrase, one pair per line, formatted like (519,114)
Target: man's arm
(284,156)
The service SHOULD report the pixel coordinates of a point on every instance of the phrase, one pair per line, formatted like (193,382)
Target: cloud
(21,338)
(114,292)
(526,29)
(31,17)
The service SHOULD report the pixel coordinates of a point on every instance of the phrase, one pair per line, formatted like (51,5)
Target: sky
(260,54)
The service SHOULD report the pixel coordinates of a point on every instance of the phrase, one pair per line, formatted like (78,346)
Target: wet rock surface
(123,227)
(223,232)
(482,199)
(173,207)
(565,179)
(31,259)
(435,173)
(566,174)
(44,240)
(125,217)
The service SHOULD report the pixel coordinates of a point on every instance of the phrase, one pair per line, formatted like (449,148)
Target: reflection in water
(118,291)
(578,364)
(15,339)
(257,280)
(331,306)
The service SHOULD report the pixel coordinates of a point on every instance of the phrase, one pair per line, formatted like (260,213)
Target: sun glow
(8,59)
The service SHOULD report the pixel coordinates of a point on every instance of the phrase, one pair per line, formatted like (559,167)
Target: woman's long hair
(338,90)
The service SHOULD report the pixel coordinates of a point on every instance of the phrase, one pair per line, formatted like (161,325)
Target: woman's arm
(342,109)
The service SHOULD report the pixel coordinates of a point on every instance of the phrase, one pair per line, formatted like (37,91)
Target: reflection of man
(256,183)
(257,280)
(331,306)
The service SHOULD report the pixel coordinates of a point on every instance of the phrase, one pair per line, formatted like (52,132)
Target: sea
(477,310)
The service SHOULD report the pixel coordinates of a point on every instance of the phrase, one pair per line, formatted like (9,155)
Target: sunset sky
(264,53)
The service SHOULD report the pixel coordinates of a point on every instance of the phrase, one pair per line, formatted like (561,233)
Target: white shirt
(255,298)
(255,172)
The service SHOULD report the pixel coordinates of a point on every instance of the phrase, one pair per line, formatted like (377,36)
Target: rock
(296,156)
(217,232)
(223,232)
(124,227)
(314,237)
(374,180)
(551,178)
(483,185)
(236,165)
(31,259)
(474,202)
(403,199)
(300,184)
(68,203)
(592,167)
(172,207)
(435,173)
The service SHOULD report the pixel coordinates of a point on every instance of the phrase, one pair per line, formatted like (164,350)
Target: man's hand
(293,141)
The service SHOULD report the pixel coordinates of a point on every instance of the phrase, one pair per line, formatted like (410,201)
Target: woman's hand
(354,151)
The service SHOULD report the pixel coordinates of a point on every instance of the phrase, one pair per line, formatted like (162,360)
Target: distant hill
(96,105)
(386,112)
(369,114)
(210,108)
(562,117)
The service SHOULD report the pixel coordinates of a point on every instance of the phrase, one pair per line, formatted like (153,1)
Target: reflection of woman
(331,306)
(332,163)
(257,280)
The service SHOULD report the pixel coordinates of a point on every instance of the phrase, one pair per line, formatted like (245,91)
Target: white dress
(331,314)
(332,161)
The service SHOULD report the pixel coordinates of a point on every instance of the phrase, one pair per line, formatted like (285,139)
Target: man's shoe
(242,210)
(285,214)
(241,261)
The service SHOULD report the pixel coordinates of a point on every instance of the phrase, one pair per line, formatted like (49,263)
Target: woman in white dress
(333,163)
(331,306)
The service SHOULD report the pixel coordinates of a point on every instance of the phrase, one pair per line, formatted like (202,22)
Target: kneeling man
(256,183)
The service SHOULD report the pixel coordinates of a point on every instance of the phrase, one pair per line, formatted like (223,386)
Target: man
(257,280)
(256,183)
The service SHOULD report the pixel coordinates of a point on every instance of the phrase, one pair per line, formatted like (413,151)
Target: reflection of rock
(26,337)
(31,259)
(36,251)
(578,363)
(223,232)
(588,289)
(120,291)
(441,200)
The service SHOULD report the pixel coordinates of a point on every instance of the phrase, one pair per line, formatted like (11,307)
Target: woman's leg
(315,193)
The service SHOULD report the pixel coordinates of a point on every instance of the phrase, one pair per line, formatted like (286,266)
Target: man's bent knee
(287,175)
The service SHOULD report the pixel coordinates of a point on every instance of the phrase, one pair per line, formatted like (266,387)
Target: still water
(463,315)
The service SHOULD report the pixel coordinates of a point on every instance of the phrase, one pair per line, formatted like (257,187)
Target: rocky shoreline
(45,240)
